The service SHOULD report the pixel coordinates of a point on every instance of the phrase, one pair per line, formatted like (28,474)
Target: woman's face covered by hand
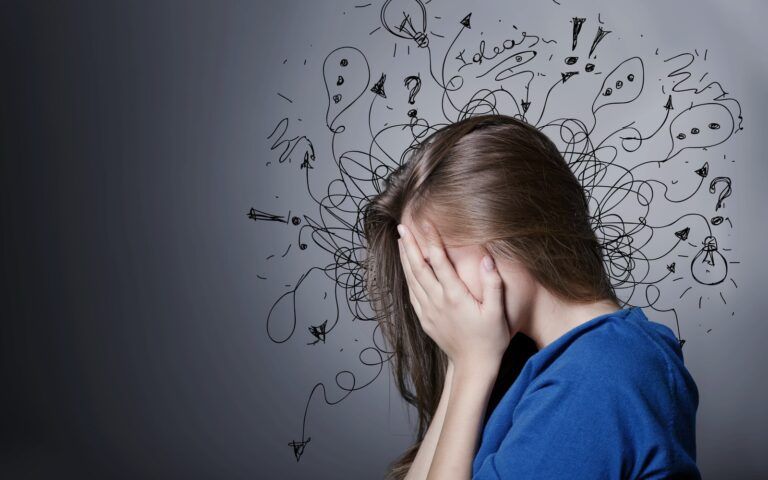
(519,286)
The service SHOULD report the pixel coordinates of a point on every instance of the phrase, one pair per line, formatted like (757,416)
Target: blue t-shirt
(609,399)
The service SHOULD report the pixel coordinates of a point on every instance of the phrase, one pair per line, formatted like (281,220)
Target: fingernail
(401,230)
(488,263)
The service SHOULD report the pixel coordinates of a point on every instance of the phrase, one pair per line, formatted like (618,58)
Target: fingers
(414,289)
(420,270)
(441,264)
(493,288)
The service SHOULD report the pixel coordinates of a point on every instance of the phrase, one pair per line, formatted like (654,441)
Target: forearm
(470,391)
(420,466)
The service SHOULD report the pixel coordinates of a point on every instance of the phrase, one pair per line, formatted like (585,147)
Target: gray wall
(137,290)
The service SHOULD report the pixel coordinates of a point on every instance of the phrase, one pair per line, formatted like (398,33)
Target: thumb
(493,288)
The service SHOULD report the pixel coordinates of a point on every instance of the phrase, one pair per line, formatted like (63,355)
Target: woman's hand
(470,332)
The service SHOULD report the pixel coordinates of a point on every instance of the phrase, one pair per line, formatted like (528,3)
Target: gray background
(134,141)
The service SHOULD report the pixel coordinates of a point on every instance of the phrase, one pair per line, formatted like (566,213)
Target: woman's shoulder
(609,396)
(624,349)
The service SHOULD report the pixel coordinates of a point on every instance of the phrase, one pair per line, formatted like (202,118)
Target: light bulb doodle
(406,19)
(709,267)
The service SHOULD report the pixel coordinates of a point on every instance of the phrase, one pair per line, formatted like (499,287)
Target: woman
(497,278)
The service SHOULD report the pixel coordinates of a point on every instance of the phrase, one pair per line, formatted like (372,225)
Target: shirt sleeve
(561,429)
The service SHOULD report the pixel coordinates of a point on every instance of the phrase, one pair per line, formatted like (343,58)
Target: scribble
(620,121)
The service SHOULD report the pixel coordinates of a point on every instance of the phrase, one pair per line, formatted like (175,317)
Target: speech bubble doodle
(622,85)
(346,74)
(700,126)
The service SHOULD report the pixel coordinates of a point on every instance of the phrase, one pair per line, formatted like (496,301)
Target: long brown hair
(488,180)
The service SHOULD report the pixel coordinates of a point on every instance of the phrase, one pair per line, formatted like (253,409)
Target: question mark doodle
(723,194)
(413,83)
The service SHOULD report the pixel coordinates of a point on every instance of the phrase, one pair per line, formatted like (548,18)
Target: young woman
(507,335)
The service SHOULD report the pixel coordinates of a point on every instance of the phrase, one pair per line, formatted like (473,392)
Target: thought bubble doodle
(346,74)
(622,85)
(700,126)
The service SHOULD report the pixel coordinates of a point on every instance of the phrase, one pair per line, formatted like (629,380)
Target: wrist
(478,372)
